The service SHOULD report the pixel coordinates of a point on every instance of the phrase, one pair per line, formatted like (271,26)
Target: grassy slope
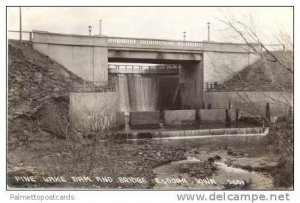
(256,77)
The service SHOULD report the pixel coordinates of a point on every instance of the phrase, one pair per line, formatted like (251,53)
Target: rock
(19,79)
(210,159)
(37,77)
(229,152)
(217,157)
(192,173)
(241,154)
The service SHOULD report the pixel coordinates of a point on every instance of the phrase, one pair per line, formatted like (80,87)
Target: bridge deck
(42,37)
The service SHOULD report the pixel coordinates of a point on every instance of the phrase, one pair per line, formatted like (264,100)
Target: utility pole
(20,12)
(208,31)
(100,27)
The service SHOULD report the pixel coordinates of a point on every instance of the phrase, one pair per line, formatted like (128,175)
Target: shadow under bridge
(174,82)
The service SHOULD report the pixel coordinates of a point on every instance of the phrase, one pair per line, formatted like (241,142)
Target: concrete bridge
(88,57)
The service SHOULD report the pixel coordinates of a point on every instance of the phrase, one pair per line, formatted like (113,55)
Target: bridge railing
(88,86)
(249,86)
(15,35)
(143,42)
(135,69)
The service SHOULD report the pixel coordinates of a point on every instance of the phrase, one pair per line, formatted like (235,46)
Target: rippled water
(223,176)
(254,149)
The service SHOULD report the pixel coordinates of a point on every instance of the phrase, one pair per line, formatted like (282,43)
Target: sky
(154,22)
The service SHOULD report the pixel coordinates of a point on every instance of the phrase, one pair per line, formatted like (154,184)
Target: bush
(53,116)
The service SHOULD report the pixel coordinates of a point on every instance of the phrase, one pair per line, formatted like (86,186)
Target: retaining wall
(251,103)
(212,115)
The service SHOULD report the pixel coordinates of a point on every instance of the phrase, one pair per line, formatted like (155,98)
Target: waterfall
(122,87)
(137,92)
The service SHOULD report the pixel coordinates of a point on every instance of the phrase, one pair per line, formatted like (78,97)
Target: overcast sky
(153,22)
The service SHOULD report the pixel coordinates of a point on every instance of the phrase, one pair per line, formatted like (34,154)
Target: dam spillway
(146,90)
(137,92)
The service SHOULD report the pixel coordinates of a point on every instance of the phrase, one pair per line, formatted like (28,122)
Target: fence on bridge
(144,42)
(15,35)
(143,69)
(250,86)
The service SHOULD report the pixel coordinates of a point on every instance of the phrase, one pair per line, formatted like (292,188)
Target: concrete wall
(89,63)
(154,56)
(76,53)
(191,85)
(251,103)
(94,111)
(212,115)
(177,117)
(121,122)
(168,92)
(144,118)
(221,66)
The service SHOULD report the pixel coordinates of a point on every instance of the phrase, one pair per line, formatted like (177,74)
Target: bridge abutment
(191,85)
(84,56)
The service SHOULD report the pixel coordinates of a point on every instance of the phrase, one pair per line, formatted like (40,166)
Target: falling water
(137,92)
(122,86)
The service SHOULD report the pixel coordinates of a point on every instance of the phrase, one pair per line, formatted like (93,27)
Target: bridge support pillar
(191,85)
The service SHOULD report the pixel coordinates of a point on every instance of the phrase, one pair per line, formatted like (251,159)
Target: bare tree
(274,61)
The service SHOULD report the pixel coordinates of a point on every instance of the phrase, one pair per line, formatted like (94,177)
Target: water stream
(236,153)
(167,175)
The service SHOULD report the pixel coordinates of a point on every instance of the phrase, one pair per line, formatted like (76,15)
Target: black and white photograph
(150,98)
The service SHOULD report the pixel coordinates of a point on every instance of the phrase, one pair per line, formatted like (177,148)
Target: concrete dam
(146,88)
(169,94)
